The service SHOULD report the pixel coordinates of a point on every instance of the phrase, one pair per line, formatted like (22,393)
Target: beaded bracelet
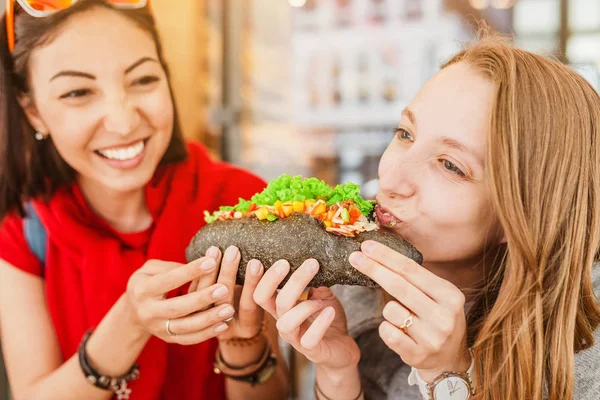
(118,385)
(245,342)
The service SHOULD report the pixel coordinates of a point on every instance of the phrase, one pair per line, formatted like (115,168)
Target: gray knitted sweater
(384,374)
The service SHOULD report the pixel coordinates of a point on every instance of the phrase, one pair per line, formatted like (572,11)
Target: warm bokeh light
(479,4)
(503,4)
(297,3)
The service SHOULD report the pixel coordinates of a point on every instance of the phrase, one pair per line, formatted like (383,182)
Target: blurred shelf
(351,118)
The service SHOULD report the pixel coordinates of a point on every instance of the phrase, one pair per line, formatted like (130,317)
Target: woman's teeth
(387,219)
(392,222)
(123,153)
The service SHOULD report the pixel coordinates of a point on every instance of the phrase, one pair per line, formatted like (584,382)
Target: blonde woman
(494,175)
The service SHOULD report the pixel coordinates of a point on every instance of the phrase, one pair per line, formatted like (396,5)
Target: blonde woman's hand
(435,342)
(315,327)
(188,319)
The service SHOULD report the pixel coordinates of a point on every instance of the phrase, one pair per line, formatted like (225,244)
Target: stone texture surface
(295,239)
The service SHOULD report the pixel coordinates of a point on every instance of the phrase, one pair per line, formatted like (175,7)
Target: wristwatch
(447,386)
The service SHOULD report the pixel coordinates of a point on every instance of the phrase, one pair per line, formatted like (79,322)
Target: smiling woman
(128,99)
(90,146)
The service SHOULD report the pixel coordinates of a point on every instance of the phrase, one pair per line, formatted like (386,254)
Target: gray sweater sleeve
(587,362)
(587,371)
(384,375)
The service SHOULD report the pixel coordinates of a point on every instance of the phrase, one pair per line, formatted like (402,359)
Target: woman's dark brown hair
(30,168)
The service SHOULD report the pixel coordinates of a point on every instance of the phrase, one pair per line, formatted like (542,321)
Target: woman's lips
(385,218)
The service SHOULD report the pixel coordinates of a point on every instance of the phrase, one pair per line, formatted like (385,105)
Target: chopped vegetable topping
(341,209)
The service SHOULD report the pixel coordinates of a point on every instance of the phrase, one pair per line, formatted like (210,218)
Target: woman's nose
(121,115)
(399,180)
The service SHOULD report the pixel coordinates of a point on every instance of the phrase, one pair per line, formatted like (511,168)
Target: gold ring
(408,321)
(168,328)
(228,319)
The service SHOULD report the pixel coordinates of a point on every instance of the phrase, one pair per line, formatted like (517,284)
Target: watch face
(451,388)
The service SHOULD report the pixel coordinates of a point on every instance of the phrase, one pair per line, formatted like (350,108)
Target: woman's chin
(128,183)
(396,230)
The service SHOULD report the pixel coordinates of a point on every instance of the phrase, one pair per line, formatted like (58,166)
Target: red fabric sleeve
(240,183)
(14,248)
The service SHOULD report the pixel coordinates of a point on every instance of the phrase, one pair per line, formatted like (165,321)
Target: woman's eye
(403,134)
(452,168)
(76,93)
(146,80)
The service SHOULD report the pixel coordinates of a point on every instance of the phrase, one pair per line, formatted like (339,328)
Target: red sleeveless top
(88,265)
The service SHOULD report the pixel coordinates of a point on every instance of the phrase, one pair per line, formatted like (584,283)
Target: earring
(40,136)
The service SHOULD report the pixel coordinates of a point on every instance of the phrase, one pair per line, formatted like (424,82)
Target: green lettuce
(288,189)
(350,191)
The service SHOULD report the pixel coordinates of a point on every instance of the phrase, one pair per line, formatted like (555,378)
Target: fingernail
(281,267)
(231,253)
(254,268)
(213,252)
(313,266)
(219,292)
(356,258)
(368,246)
(328,313)
(208,264)
(221,328)
(226,312)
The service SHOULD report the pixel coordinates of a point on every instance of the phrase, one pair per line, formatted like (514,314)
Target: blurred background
(315,87)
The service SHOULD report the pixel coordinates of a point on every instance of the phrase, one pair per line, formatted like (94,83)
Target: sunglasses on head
(44,8)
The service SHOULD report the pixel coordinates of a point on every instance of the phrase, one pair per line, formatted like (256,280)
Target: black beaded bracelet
(114,384)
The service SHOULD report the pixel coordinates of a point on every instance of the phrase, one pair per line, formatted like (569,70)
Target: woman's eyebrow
(448,141)
(410,115)
(139,62)
(86,75)
(455,144)
(73,73)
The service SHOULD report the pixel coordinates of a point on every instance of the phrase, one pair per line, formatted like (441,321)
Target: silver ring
(167,328)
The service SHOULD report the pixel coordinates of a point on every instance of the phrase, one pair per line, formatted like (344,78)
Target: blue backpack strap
(35,234)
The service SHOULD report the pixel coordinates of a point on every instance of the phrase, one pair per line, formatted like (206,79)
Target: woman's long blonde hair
(543,167)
